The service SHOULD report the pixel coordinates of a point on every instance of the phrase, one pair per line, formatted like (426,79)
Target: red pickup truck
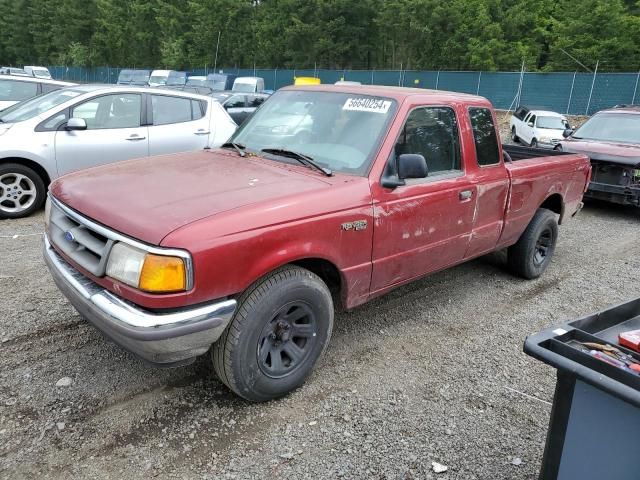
(326,194)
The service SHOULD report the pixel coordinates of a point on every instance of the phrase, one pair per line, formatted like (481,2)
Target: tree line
(353,34)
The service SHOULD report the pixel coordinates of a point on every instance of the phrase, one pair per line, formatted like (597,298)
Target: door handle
(134,138)
(202,132)
(465,194)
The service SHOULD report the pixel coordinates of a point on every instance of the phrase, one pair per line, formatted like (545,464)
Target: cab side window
(110,111)
(433,133)
(237,101)
(485,137)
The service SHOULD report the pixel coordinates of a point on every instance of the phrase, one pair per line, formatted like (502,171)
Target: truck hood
(149,198)
(622,153)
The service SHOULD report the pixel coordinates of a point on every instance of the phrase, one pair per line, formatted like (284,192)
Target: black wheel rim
(543,246)
(287,340)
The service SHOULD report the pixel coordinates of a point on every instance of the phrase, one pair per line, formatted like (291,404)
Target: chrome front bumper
(166,339)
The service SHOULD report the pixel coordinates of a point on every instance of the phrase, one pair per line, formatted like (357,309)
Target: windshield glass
(244,87)
(35,106)
(340,131)
(611,127)
(198,82)
(555,123)
(157,80)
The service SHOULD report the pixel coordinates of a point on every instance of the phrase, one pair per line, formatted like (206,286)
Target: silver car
(89,125)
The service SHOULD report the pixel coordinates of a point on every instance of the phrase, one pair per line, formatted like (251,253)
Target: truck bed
(519,152)
(538,175)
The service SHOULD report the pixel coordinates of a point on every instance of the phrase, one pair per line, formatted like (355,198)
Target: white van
(248,84)
(38,72)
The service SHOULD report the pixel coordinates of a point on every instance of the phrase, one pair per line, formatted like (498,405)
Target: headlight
(545,139)
(146,271)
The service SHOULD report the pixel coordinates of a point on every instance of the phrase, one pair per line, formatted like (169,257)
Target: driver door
(113,133)
(425,225)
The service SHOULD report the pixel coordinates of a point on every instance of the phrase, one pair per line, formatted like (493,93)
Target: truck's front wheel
(531,255)
(280,330)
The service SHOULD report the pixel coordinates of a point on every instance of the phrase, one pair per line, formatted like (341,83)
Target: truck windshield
(244,87)
(611,127)
(339,131)
(158,80)
(35,106)
(553,123)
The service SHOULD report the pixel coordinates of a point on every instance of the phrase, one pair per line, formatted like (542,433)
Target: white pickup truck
(538,128)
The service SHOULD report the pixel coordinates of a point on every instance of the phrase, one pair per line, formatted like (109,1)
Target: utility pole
(215,62)
(593,83)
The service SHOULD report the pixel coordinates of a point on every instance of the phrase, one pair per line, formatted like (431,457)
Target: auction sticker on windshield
(366,104)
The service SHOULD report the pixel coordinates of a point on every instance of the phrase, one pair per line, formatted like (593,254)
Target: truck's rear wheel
(514,135)
(531,255)
(22,191)
(280,330)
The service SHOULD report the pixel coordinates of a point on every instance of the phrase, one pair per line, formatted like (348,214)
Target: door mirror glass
(530,124)
(76,124)
(412,165)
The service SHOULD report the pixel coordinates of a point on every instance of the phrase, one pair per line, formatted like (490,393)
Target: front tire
(280,330)
(22,191)
(531,255)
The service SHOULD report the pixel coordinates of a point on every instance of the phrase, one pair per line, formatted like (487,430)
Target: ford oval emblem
(68,236)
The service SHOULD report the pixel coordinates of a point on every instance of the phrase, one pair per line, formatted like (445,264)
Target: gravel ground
(432,372)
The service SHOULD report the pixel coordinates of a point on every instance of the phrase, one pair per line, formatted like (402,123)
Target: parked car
(13,71)
(38,72)
(246,247)
(214,81)
(133,77)
(221,81)
(160,78)
(538,128)
(240,106)
(248,84)
(611,139)
(89,125)
(14,89)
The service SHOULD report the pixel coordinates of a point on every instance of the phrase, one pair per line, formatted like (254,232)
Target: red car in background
(611,139)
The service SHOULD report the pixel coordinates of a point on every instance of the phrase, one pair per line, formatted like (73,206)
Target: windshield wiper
(300,157)
(238,147)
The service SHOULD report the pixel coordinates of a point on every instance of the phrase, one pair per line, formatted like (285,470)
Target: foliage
(381,34)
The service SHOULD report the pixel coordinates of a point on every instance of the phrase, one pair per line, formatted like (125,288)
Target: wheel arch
(35,166)
(555,203)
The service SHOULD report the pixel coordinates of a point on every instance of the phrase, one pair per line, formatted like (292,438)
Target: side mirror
(567,132)
(76,124)
(412,165)
(530,124)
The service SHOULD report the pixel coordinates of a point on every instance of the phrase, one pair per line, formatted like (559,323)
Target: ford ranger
(243,251)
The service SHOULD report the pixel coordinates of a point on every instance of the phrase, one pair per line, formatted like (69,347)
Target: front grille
(84,246)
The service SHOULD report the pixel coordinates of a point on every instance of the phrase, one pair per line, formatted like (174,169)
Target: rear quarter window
(484,136)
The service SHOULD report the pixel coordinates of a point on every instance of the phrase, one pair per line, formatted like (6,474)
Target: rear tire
(514,136)
(534,143)
(22,191)
(531,255)
(281,328)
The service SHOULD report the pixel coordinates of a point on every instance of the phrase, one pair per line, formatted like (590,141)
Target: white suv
(538,128)
(14,88)
(89,125)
